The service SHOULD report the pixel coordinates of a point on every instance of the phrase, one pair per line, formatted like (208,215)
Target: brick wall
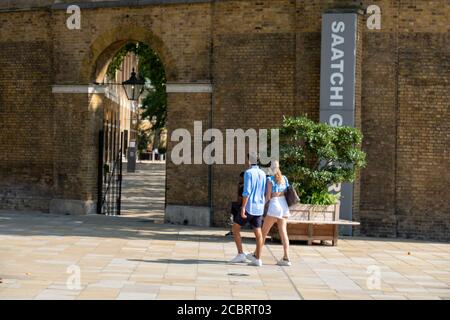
(405,185)
(187,184)
(26,118)
(248,95)
(179,34)
(263,59)
(358,116)
(423,131)
(254,78)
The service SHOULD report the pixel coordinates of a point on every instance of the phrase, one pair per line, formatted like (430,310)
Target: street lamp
(133,87)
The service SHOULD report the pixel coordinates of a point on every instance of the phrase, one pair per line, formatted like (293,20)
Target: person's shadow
(193,261)
(181,261)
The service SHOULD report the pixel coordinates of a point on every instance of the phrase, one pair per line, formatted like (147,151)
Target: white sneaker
(256,263)
(284,263)
(250,256)
(240,258)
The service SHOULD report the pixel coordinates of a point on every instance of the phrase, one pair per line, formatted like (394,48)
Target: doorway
(133,190)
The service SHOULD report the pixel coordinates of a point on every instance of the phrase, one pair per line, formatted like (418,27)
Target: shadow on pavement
(181,261)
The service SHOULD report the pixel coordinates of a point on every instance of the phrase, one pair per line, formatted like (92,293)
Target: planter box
(312,222)
(307,212)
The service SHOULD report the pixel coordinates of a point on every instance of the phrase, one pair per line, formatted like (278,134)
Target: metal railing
(109,181)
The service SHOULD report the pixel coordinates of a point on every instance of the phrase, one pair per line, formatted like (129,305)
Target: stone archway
(189,94)
(105,46)
(116,126)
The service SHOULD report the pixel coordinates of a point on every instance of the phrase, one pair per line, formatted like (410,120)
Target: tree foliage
(154,103)
(316,155)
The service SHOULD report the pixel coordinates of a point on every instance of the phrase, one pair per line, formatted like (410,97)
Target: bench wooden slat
(337,222)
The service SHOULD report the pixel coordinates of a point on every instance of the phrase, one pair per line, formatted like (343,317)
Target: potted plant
(315,156)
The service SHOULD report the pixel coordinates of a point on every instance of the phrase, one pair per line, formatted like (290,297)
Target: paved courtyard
(133,258)
(143,191)
(137,256)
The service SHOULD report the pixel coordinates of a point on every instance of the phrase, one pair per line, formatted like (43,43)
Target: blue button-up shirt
(254,189)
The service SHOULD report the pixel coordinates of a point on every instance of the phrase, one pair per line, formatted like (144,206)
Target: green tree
(143,141)
(154,103)
(315,155)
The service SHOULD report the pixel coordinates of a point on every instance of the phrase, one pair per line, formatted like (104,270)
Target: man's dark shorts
(254,221)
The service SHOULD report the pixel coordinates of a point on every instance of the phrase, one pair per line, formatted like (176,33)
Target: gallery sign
(337,85)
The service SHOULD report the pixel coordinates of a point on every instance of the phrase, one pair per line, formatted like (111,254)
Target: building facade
(229,64)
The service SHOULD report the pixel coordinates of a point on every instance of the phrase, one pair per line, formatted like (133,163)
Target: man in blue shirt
(252,210)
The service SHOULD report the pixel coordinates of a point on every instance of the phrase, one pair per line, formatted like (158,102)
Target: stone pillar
(340,100)
(188,185)
(78,118)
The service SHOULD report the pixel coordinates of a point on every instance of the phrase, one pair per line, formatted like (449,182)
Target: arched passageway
(131,176)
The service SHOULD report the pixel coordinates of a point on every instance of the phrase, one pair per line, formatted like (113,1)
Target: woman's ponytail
(278,176)
(275,167)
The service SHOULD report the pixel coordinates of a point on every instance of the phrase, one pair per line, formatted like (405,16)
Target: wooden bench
(313,230)
(310,223)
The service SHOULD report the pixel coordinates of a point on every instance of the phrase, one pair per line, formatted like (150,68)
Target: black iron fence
(109,174)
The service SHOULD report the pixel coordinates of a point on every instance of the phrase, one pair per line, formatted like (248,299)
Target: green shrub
(316,155)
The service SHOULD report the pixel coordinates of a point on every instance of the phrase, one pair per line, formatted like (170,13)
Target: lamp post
(153,121)
(133,88)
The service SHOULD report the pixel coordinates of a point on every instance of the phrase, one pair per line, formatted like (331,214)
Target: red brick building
(227,61)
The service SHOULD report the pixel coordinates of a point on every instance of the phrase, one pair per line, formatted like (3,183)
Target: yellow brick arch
(105,46)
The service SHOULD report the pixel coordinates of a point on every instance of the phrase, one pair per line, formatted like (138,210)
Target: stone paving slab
(129,258)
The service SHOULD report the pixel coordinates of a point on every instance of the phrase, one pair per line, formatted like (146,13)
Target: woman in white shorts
(278,210)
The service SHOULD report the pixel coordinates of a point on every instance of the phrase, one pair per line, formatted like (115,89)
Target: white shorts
(278,208)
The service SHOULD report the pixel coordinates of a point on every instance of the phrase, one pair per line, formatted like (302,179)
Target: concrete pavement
(132,258)
(136,256)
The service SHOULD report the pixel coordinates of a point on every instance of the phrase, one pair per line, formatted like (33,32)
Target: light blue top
(278,187)
(254,189)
